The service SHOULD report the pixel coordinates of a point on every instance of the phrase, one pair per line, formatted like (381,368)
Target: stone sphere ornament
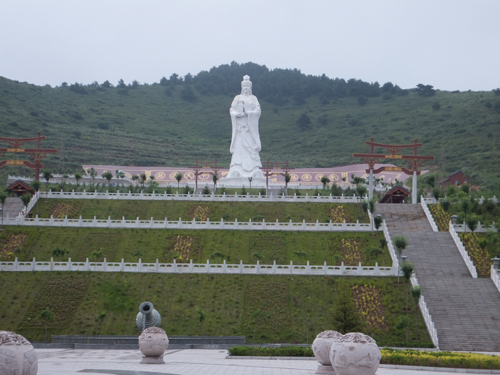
(17,355)
(153,342)
(321,349)
(355,354)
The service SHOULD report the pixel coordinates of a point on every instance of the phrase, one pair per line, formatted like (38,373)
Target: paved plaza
(180,362)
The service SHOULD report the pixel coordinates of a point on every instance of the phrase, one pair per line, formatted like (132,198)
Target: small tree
(377,221)
(215,178)
(78,177)
(325,181)
(407,269)
(383,244)
(345,317)
(26,198)
(47,175)
(206,190)
(400,242)
(201,318)
(3,198)
(92,174)
(178,177)
(416,293)
(375,251)
(465,204)
(99,318)
(445,204)
(108,176)
(46,316)
(300,254)
(403,323)
(135,177)
(250,179)
(472,223)
(288,177)
(143,178)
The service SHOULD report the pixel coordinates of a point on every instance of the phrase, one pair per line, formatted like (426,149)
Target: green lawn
(294,308)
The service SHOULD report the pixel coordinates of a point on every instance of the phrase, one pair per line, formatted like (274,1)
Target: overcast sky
(450,44)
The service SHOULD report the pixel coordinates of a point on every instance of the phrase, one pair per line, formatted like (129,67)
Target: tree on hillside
(108,176)
(178,177)
(47,175)
(304,122)
(345,317)
(106,84)
(416,293)
(46,316)
(92,173)
(288,177)
(425,90)
(143,177)
(407,269)
(188,94)
(78,177)
(325,181)
(400,243)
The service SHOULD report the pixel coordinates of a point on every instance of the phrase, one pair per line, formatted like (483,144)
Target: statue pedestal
(153,360)
(325,369)
(239,182)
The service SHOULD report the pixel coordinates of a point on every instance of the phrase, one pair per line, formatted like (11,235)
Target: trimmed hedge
(406,357)
(283,351)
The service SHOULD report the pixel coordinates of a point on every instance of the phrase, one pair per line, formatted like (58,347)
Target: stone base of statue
(17,355)
(237,177)
(325,369)
(355,354)
(152,343)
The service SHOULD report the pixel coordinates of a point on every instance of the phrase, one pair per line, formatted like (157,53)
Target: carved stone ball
(17,355)
(355,354)
(322,344)
(153,342)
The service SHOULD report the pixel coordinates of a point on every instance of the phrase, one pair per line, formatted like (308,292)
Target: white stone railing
(390,246)
(193,224)
(32,203)
(224,268)
(423,203)
(426,314)
(463,252)
(495,277)
(462,228)
(200,197)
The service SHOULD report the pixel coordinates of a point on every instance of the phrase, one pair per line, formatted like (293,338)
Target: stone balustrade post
(342,268)
(137,224)
(191,266)
(87,265)
(274,267)
(240,268)
(104,265)
(157,266)
(308,269)
(258,267)
(325,268)
(69,264)
(208,265)
(291,267)
(122,265)
(139,265)
(15,264)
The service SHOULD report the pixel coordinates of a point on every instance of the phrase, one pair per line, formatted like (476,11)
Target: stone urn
(321,349)
(17,355)
(153,342)
(355,354)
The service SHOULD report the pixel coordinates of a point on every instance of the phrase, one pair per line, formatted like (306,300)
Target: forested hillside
(310,121)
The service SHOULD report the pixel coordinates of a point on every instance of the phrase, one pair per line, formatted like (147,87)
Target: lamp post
(495,262)
(454,218)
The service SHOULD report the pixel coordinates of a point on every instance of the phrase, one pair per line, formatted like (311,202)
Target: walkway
(179,362)
(465,311)
(12,207)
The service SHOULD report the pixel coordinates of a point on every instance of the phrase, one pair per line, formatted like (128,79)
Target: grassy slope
(310,212)
(147,127)
(296,308)
(152,244)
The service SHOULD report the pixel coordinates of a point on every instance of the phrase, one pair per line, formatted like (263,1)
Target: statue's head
(246,86)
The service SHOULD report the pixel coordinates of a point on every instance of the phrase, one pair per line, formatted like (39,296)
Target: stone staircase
(465,311)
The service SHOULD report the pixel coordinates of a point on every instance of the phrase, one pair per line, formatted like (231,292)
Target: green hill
(178,121)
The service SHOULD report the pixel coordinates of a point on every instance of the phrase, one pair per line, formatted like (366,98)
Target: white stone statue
(245,141)
(321,348)
(153,342)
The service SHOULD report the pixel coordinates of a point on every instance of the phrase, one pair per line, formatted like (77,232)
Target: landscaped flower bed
(480,257)
(351,253)
(337,214)
(15,242)
(369,305)
(441,217)
(63,209)
(183,247)
(389,356)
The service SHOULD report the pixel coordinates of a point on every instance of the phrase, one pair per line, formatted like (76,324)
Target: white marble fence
(200,197)
(390,246)
(217,268)
(190,224)
(495,276)
(428,214)
(463,252)
(426,314)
